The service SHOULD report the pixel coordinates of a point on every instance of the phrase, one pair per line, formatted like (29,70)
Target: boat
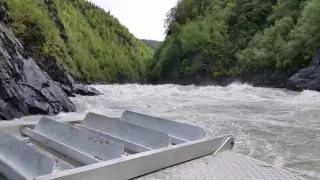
(133,146)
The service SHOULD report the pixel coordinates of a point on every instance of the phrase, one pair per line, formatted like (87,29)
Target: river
(273,125)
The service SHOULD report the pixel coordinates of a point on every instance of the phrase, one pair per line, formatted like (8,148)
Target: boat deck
(223,166)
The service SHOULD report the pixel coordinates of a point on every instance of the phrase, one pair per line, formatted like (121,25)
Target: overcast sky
(144,18)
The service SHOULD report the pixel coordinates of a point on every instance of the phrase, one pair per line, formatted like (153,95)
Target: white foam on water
(276,126)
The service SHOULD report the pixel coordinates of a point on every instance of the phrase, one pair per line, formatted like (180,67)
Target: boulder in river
(85,90)
(24,88)
(78,89)
(307,78)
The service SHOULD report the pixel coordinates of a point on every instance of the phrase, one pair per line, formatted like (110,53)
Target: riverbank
(305,79)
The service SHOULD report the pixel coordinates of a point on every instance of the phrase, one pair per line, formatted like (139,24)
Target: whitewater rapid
(273,125)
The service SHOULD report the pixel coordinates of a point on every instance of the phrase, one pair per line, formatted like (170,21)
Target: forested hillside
(153,44)
(234,37)
(85,39)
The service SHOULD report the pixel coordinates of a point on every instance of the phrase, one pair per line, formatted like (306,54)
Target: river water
(273,125)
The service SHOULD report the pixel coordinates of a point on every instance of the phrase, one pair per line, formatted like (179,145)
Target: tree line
(153,44)
(232,37)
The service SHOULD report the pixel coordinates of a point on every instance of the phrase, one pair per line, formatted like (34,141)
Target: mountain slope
(153,44)
(86,40)
(238,38)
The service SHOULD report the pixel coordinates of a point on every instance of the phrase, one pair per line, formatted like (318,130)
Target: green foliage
(152,43)
(33,25)
(237,36)
(304,39)
(194,36)
(87,40)
(186,68)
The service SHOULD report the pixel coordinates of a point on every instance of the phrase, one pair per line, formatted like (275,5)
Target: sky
(143,18)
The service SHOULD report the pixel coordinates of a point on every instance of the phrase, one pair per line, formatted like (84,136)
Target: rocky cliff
(307,78)
(25,89)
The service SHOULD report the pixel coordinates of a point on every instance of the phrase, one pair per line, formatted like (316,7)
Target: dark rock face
(266,78)
(85,90)
(307,78)
(24,88)
(81,89)
(66,89)
(56,71)
(4,14)
(64,80)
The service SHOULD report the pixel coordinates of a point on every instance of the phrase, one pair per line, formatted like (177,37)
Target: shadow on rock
(307,78)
